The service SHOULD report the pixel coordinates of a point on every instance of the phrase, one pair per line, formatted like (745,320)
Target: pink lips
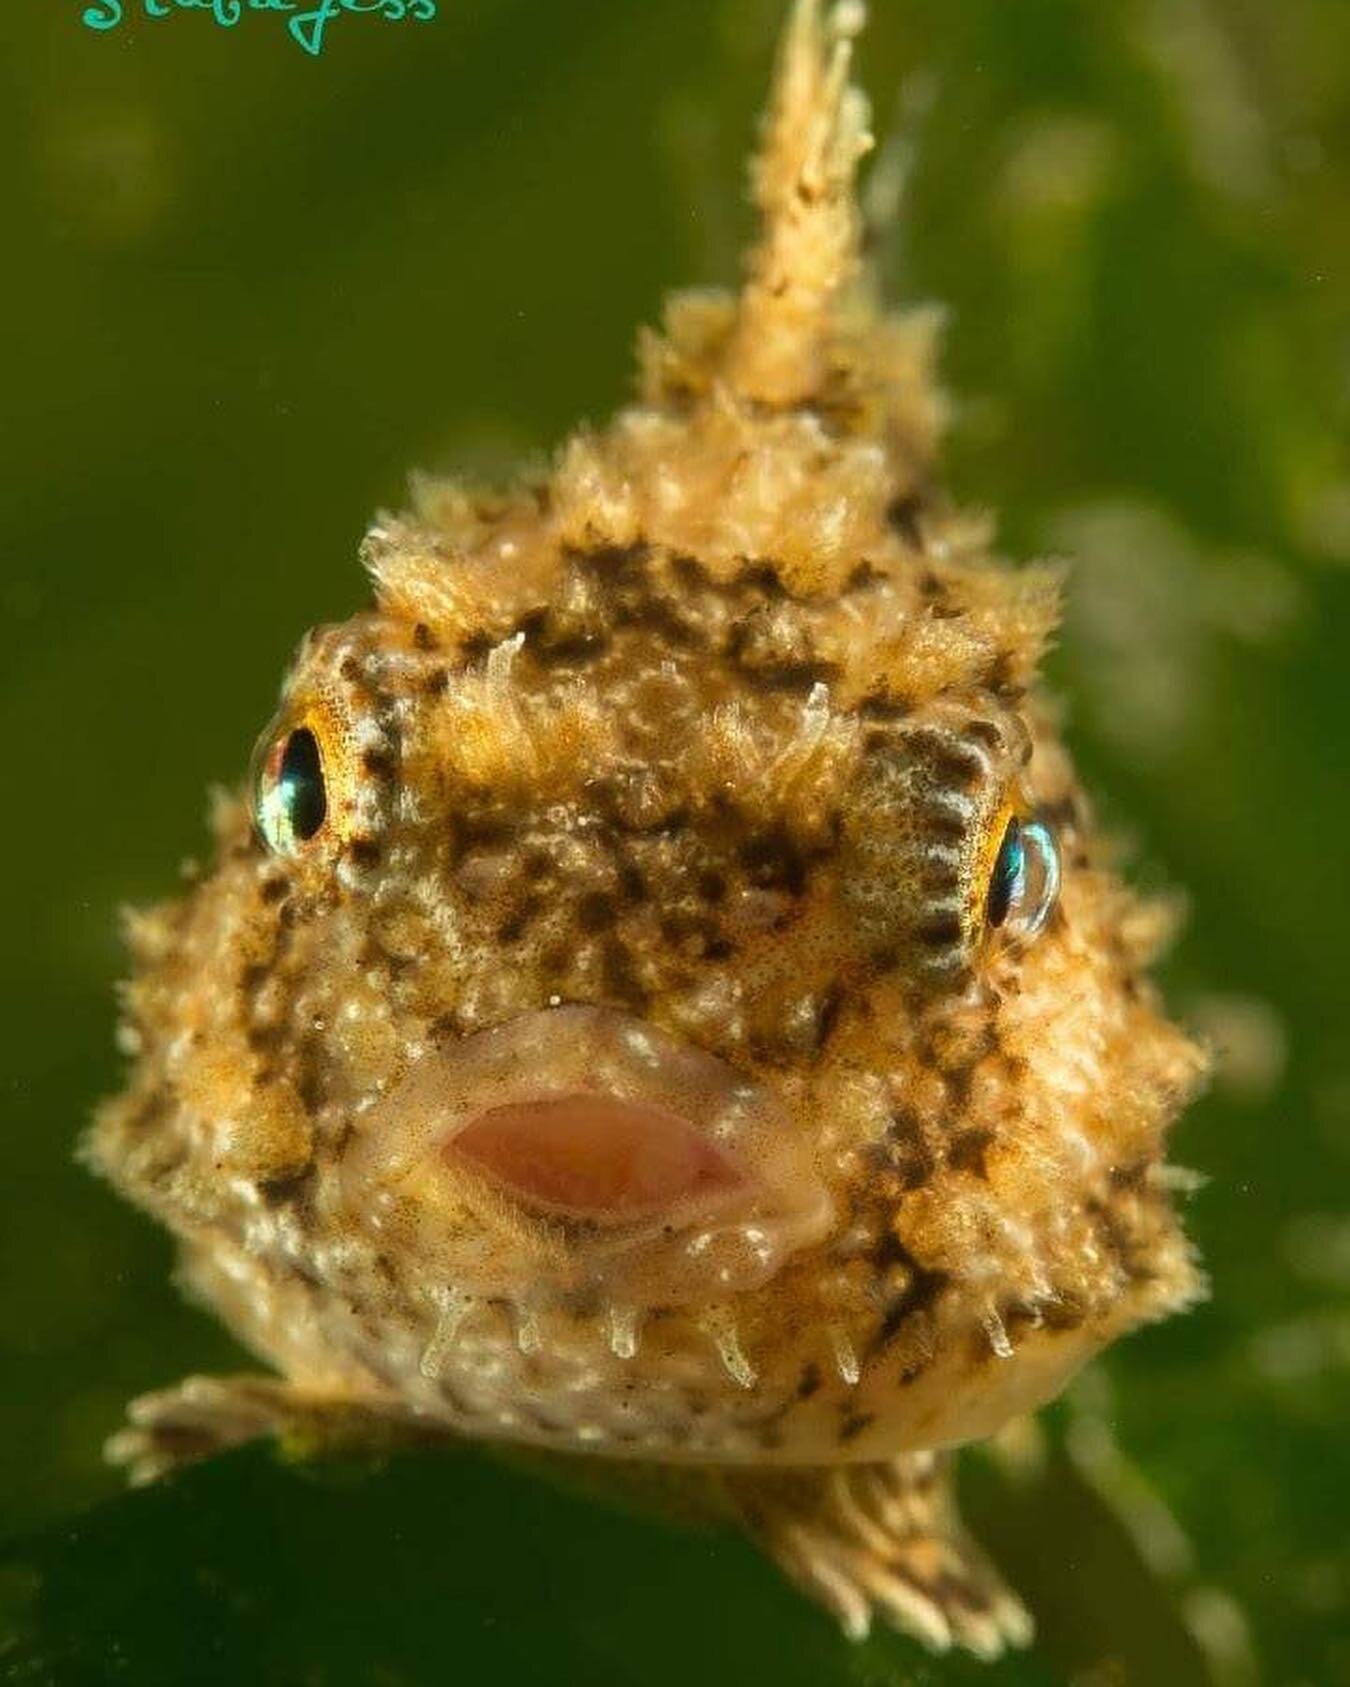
(694,1179)
(595,1156)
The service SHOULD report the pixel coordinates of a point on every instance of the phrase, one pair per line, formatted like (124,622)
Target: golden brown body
(636,1040)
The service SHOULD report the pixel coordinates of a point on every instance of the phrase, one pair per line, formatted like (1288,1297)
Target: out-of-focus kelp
(254,288)
(454,1567)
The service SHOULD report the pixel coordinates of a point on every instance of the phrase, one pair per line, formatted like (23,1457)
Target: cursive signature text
(307,20)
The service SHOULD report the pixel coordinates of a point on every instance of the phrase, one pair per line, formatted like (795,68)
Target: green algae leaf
(446,1567)
(433,1569)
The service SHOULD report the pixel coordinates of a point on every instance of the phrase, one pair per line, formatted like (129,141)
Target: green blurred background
(244,292)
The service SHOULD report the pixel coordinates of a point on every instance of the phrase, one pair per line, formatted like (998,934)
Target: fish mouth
(588,1147)
(594,1157)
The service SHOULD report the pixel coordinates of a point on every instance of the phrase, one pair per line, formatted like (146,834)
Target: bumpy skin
(679,776)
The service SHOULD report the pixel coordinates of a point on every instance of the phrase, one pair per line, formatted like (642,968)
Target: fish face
(662,991)
(605,1034)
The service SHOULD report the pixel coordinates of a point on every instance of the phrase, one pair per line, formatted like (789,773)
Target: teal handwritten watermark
(307,20)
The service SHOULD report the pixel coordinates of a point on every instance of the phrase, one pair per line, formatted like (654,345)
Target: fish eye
(1024,885)
(290,794)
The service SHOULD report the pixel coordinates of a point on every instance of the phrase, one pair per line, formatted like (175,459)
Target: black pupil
(301,781)
(1006,870)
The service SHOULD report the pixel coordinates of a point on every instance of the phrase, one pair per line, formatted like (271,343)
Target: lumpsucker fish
(663,996)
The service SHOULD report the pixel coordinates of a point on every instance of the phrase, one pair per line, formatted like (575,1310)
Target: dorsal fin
(803,182)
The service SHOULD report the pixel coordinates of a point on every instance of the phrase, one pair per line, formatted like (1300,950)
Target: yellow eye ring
(982,892)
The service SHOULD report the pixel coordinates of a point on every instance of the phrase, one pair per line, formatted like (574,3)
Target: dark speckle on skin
(809,1381)
(854,1424)
(966,1152)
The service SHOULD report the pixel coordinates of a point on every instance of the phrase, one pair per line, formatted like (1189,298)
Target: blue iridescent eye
(1024,885)
(290,799)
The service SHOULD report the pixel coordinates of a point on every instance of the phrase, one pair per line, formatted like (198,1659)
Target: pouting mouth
(590,1146)
(594,1157)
